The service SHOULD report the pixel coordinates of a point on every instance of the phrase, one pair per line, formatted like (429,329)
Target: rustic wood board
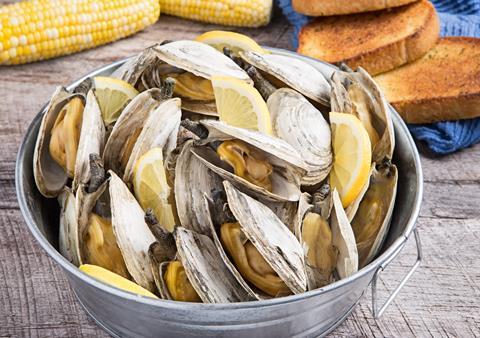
(441,300)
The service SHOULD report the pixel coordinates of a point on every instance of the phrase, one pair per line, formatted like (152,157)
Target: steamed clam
(57,143)
(296,121)
(86,235)
(314,232)
(190,63)
(268,167)
(356,93)
(371,221)
(260,251)
(203,211)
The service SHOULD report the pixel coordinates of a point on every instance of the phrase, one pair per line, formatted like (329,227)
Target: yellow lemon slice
(241,105)
(151,187)
(352,156)
(113,279)
(112,95)
(234,41)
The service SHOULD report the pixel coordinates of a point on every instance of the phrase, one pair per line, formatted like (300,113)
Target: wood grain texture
(441,300)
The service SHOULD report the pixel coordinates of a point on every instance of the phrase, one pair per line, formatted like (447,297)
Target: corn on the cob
(41,29)
(246,13)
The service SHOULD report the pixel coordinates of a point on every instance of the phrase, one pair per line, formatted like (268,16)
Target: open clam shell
(372,220)
(132,233)
(299,123)
(357,93)
(205,269)
(159,130)
(132,70)
(273,240)
(384,148)
(50,177)
(129,124)
(288,167)
(92,139)
(343,239)
(314,232)
(292,72)
(251,290)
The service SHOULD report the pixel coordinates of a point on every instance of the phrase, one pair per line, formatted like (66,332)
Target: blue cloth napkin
(458,17)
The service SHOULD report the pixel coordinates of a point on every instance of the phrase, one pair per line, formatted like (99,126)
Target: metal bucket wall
(304,317)
(310,314)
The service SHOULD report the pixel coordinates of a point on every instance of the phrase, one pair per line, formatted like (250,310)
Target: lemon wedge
(352,156)
(112,95)
(241,105)
(113,279)
(234,41)
(151,187)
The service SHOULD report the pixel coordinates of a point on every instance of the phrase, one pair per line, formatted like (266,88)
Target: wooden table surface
(442,299)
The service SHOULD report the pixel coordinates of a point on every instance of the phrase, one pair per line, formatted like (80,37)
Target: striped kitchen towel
(458,18)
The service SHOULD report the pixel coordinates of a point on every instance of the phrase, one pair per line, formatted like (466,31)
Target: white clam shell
(199,59)
(384,148)
(92,139)
(343,239)
(192,181)
(205,269)
(299,123)
(132,233)
(295,73)
(68,241)
(132,70)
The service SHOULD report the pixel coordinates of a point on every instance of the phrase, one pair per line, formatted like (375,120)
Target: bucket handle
(378,311)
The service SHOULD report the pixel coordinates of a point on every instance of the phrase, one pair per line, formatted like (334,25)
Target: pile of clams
(254,214)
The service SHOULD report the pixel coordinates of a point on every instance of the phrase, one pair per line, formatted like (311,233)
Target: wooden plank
(441,300)
(442,297)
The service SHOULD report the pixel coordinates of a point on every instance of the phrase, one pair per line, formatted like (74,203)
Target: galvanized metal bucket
(311,314)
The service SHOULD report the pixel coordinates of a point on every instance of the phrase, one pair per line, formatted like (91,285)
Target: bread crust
(378,42)
(342,7)
(443,85)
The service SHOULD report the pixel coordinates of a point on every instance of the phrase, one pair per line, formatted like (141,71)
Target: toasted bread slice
(443,85)
(341,7)
(377,41)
